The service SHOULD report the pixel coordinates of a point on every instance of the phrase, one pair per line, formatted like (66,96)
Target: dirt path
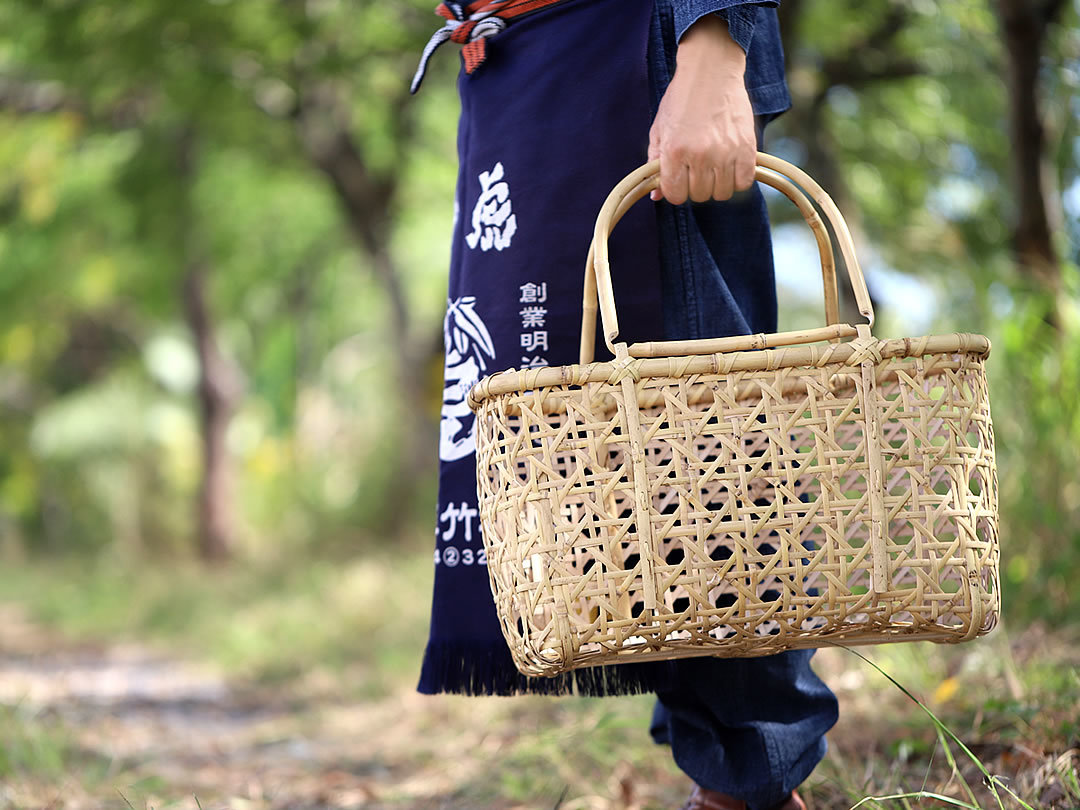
(125,726)
(131,724)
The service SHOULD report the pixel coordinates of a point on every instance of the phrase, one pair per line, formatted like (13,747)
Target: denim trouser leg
(753,728)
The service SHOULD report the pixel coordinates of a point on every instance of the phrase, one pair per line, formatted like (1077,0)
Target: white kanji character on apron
(494,223)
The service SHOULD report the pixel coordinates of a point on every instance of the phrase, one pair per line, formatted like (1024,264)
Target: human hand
(703,134)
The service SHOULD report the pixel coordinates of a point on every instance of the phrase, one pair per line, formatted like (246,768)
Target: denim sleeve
(739,15)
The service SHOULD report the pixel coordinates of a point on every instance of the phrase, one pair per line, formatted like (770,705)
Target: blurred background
(224,240)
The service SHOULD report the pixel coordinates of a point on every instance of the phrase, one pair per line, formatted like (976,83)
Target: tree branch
(365,197)
(26,97)
(873,58)
(869,70)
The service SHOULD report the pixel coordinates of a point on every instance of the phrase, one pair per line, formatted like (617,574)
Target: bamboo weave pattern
(757,498)
(740,504)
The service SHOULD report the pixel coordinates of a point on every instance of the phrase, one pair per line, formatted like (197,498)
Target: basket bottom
(550,663)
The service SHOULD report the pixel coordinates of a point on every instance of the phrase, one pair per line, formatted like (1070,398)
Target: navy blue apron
(555,117)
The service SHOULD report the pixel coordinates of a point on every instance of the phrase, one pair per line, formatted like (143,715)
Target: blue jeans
(752,728)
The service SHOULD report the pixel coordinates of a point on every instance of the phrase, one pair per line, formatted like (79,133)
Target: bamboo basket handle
(770,170)
(793,192)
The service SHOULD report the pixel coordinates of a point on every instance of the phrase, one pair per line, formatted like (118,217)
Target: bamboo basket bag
(739,496)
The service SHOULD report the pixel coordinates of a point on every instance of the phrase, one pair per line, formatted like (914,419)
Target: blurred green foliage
(137,139)
(98,427)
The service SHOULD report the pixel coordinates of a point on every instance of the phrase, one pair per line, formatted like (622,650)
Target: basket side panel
(556,503)
(940,493)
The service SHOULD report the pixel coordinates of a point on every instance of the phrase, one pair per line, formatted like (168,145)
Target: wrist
(708,42)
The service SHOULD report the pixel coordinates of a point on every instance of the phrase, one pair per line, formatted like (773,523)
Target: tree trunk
(1024,26)
(367,199)
(219,385)
(873,59)
(218,392)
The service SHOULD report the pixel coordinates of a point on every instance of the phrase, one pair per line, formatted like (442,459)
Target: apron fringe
(488,670)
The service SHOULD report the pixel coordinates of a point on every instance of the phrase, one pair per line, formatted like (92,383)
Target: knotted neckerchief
(470,25)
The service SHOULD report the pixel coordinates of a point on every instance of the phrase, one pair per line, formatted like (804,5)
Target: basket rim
(852,353)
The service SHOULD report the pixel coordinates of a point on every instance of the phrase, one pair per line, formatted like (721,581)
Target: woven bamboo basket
(739,496)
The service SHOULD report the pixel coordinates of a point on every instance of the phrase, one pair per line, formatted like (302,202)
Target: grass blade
(955,770)
(992,782)
(922,794)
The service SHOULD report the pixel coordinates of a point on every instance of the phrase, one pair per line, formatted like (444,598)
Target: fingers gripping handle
(772,171)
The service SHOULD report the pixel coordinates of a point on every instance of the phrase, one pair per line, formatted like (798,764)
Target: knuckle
(698,152)
(722,191)
(679,152)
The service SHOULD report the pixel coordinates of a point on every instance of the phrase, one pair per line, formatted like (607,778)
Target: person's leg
(752,728)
